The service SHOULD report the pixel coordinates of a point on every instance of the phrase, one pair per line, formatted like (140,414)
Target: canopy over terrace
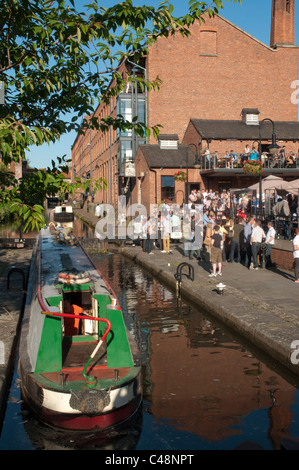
(277,184)
(270,182)
(292,185)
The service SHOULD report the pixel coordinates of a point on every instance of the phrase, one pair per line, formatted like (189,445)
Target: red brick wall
(283,259)
(103,152)
(148,187)
(245,73)
(282,24)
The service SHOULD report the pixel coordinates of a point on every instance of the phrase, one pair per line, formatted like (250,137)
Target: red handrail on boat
(82,317)
(91,381)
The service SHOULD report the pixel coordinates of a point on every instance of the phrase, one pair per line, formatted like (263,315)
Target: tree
(57,62)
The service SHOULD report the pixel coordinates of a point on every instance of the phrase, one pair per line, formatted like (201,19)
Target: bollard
(263,253)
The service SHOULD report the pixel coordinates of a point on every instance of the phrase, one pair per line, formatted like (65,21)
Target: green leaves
(57,62)
(30,218)
(25,198)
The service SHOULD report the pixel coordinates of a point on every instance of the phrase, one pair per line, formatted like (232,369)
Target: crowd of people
(219,239)
(218,227)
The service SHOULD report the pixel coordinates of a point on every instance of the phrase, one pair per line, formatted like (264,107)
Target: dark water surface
(203,389)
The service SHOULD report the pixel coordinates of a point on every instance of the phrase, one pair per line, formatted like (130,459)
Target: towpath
(13,292)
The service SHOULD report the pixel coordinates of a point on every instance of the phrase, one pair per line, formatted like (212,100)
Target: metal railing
(228,162)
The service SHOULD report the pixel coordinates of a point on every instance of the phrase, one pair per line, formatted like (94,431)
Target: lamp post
(272,149)
(187,168)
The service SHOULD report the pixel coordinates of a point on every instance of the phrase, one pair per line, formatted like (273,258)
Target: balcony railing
(215,162)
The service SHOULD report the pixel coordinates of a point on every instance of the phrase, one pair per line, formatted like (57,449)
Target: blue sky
(253,16)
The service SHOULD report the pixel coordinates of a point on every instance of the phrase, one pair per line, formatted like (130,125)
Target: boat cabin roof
(58,258)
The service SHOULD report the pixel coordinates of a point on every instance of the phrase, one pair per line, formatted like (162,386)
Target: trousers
(256,248)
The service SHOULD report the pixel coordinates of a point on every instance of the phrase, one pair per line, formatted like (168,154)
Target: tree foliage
(57,60)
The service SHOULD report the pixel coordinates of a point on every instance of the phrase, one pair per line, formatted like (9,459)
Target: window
(167,188)
(141,110)
(125,150)
(125,109)
(288,6)
(208,43)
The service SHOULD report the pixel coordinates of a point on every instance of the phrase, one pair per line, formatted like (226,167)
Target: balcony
(272,164)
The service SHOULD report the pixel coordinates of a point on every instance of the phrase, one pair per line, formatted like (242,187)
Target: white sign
(129,169)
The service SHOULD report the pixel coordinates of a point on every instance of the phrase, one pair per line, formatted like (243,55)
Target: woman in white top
(296,254)
(270,237)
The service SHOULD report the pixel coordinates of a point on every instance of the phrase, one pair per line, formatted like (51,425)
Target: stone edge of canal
(255,323)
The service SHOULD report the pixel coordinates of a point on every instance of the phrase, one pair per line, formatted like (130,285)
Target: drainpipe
(156,198)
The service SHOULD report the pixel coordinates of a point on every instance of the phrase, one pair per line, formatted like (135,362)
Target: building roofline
(247,34)
(226,129)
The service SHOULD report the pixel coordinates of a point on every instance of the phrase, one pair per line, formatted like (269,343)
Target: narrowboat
(79,365)
(63,214)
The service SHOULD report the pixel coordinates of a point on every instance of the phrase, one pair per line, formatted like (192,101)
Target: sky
(253,16)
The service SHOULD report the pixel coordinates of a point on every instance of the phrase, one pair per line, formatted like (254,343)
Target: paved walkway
(11,308)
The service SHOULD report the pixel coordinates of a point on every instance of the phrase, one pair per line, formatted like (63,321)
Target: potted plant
(181,176)
(253,167)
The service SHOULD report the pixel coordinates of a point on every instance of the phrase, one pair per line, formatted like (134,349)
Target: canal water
(204,389)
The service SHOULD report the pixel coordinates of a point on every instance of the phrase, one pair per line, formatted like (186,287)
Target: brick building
(212,75)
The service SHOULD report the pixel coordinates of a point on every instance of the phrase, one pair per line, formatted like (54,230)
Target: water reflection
(81,230)
(200,381)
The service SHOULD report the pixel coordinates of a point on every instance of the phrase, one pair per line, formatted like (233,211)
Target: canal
(204,389)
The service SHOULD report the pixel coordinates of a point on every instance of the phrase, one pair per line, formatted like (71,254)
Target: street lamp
(273,148)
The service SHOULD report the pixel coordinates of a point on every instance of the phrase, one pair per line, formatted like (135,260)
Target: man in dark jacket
(236,241)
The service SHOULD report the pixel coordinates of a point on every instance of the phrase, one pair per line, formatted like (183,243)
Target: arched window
(288,6)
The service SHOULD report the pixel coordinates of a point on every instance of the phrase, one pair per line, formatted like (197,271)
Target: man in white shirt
(257,236)
(137,230)
(270,237)
(175,222)
(296,254)
(98,210)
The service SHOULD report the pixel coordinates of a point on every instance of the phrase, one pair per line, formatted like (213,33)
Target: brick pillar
(282,23)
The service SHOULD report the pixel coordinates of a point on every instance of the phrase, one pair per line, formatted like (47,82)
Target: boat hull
(63,217)
(81,410)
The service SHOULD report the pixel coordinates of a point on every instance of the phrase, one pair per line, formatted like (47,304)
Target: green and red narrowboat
(79,365)
(63,214)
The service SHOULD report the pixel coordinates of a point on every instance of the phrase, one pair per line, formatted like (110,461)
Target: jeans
(268,256)
(148,245)
(248,255)
(234,245)
(285,229)
(296,269)
(256,248)
(195,250)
